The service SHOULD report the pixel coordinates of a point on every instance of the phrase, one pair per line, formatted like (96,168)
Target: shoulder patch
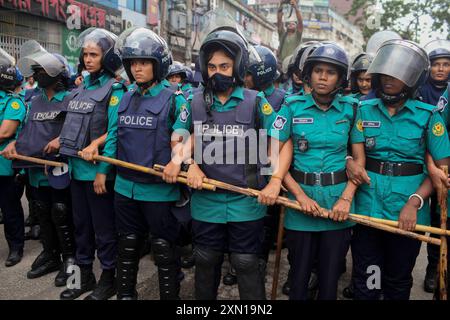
(279,123)
(15,105)
(267,109)
(359,125)
(184,113)
(114,101)
(438,129)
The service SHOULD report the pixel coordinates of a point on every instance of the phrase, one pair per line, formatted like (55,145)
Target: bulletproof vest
(276,99)
(224,132)
(143,136)
(44,123)
(86,119)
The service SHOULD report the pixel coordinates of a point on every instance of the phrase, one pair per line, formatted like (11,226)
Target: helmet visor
(37,56)
(6,59)
(378,38)
(401,60)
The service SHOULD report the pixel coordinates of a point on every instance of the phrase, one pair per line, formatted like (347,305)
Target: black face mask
(44,80)
(220,83)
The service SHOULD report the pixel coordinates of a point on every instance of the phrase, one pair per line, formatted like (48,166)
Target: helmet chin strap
(391,99)
(145,85)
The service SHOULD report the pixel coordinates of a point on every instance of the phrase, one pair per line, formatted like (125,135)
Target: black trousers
(12,213)
(237,237)
(142,217)
(393,255)
(326,248)
(94,222)
(432,250)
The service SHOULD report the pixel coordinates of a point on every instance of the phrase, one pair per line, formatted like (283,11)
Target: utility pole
(188,52)
(163,28)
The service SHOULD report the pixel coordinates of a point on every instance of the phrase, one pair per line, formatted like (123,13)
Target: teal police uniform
(320,145)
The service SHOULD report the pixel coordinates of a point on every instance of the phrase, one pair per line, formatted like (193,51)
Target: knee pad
(207,257)
(129,246)
(245,263)
(60,213)
(164,252)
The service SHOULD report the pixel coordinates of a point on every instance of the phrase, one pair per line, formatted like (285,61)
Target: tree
(402,16)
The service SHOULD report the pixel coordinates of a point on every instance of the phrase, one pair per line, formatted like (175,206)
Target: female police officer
(225,111)
(360,81)
(92,111)
(43,124)
(147,119)
(319,125)
(12,113)
(393,133)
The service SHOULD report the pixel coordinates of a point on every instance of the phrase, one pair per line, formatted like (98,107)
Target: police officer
(90,113)
(319,125)
(223,221)
(182,76)
(147,118)
(360,81)
(42,125)
(393,133)
(433,92)
(12,114)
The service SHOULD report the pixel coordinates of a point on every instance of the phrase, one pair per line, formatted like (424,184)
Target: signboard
(91,14)
(315,24)
(70,48)
(153,12)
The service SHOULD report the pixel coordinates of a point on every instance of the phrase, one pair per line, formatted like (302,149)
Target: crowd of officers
(365,137)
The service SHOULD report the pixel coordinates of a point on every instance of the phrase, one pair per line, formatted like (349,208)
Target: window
(137,5)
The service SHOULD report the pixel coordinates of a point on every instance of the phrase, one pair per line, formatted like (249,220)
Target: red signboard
(91,14)
(153,12)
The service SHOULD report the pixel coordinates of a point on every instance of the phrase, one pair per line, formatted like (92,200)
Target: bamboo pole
(443,248)
(419,227)
(38,160)
(323,212)
(143,169)
(276,270)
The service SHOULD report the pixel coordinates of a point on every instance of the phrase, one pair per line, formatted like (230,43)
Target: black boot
(429,284)
(62,219)
(349,291)
(45,263)
(187,261)
(87,284)
(249,271)
(32,220)
(64,272)
(49,260)
(167,261)
(208,265)
(128,265)
(106,286)
(33,233)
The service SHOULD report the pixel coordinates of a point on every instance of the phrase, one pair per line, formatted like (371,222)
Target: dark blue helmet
(189,74)
(233,44)
(264,70)
(106,41)
(143,43)
(328,53)
(437,49)
(360,63)
(8,71)
(177,68)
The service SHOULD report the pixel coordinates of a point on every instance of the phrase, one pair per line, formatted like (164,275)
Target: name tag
(371,124)
(138,122)
(303,120)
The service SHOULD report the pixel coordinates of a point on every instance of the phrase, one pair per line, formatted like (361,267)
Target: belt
(393,168)
(319,178)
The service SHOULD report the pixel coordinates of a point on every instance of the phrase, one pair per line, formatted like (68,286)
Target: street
(16,286)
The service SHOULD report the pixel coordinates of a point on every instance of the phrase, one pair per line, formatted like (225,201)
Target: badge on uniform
(279,123)
(442,103)
(370,143)
(303,145)
(184,114)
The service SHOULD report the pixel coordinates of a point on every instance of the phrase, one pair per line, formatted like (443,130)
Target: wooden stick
(323,212)
(443,248)
(143,169)
(276,269)
(419,227)
(38,160)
